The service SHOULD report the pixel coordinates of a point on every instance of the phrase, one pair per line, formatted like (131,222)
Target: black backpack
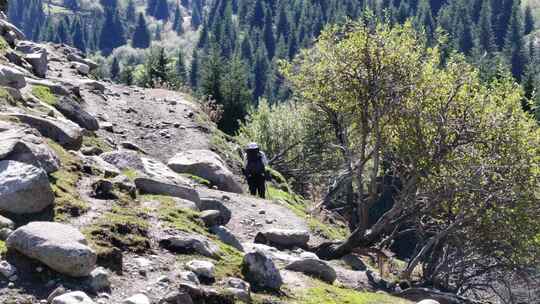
(255,165)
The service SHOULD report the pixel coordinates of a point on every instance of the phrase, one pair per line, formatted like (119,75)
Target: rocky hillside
(114,194)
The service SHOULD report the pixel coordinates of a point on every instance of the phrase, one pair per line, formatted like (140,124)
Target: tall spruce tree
(141,35)
(161,11)
(528,21)
(178,20)
(514,47)
(484,34)
(112,32)
(269,39)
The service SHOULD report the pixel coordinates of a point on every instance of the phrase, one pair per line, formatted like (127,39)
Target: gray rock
(185,204)
(28,47)
(240,289)
(315,268)
(24,188)
(131,146)
(176,297)
(76,58)
(26,146)
(154,186)
(207,295)
(203,269)
(11,77)
(7,270)
(56,88)
(212,218)
(98,164)
(91,151)
(6,27)
(354,262)
(61,247)
(188,276)
(283,238)
(124,160)
(73,111)
(214,204)
(6,223)
(39,63)
(76,297)
(227,237)
(92,85)
(66,133)
(82,68)
(102,189)
(99,280)
(261,272)
(190,243)
(5,233)
(137,299)
(208,165)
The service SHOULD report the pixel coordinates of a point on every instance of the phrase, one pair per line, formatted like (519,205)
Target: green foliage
(3,248)
(44,94)
(68,201)
(93,140)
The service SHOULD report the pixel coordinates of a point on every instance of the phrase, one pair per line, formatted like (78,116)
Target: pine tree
(151,7)
(64,34)
(162,10)
(257,15)
(211,76)
(131,12)
(141,36)
(72,4)
(236,96)
(485,39)
(194,70)
(269,40)
(529,20)
(178,20)
(180,70)
(112,32)
(260,73)
(196,16)
(283,27)
(79,40)
(424,19)
(514,44)
(115,69)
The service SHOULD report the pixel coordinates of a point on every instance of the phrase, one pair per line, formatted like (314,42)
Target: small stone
(203,269)
(39,269)
(137,299)
(262,211)
(99,279)
(6,269)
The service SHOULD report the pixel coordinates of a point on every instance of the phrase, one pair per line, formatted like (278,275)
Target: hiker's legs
(261,186)
(252,183)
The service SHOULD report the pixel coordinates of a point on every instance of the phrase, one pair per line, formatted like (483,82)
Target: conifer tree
(528,21)
(211,75)
(424,19)
(260,72)
(257,15)
(141,36)
(269,39)
(151,7)
(115,69)
(485,39)
(196,16)
(235,96)
(194,70)
(514,44)
(178,20)
(112,32)
(180,70)
(131,12)
(162,10)
(79,40)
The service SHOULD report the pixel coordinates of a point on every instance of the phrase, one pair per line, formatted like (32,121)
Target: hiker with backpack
(255,170)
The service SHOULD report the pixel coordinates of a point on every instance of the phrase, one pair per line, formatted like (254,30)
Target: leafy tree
(141,37)
(451,146)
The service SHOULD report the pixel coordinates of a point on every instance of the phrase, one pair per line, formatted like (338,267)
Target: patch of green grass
(4,46)
(298,206)
(3,248)
(131,174)
(6,98)
(189,221)
(199,180)
(44,94)
(68,202)
(329,294)
(92,140)
(124,227)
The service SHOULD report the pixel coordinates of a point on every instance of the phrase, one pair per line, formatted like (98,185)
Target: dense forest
(229,49)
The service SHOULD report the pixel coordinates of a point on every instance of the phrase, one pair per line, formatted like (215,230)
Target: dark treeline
(246,38)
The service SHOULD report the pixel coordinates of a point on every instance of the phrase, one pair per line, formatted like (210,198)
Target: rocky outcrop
(61,247)
(226,236)
(203,269)
(36,55)
(76,297)
(8,29)
(73,111)
(153,186)
(24,188)
(73,57)
(186,243)
(283,238)
(67,134)
(261,272)
(124,160)
(11,77)
(225,213)
(314,267)
(23,145)
(208,165)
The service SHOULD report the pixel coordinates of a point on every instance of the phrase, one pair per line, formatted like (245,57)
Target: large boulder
(227,237)
(214,204)
(24,188)
(76,297)
(73,111)
(61,247)
(205,270)
(154,186)
(11,77)
(314,267)
(208,165)
(39,63)
(24,145)
(64,132)
(283,238)
(189,243)
(261,272)
(6,27)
